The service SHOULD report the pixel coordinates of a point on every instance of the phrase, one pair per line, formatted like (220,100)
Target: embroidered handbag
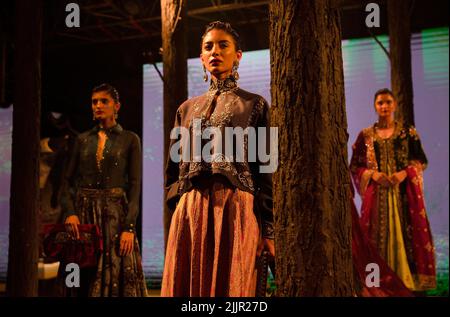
(60,245)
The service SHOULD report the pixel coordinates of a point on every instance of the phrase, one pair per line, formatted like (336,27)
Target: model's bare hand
(72,223)
(126,243)
(266,244)
(382,179)
(398,177)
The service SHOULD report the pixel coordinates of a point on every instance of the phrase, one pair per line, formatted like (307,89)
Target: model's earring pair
(234,72)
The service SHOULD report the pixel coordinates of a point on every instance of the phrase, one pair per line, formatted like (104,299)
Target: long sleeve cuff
(267,230)
(264,207)
(130,227)
(130,221)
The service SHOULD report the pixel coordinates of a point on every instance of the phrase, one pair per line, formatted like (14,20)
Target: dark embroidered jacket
(119,168)
(234,107)
(402,148)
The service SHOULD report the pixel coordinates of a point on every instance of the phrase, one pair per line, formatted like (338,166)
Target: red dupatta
(423,247)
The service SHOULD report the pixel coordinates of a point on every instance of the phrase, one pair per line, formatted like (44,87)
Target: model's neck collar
(222,85)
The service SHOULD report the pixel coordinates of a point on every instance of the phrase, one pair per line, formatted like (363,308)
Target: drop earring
(93,116)
(235,73)
(205,75)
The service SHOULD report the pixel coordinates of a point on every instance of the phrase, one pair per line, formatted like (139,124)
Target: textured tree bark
(174,45)
(311,186)
(399,15)
(22,277)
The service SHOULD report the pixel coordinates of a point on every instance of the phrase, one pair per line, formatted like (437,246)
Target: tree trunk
(399,15)
(174,45)
(23,232)
(311,186)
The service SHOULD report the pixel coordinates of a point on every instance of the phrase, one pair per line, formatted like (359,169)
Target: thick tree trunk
(173,13)
(311,185)
(23,232)
(399,15)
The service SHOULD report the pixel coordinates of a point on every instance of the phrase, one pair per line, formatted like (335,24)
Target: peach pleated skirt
(212,243)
